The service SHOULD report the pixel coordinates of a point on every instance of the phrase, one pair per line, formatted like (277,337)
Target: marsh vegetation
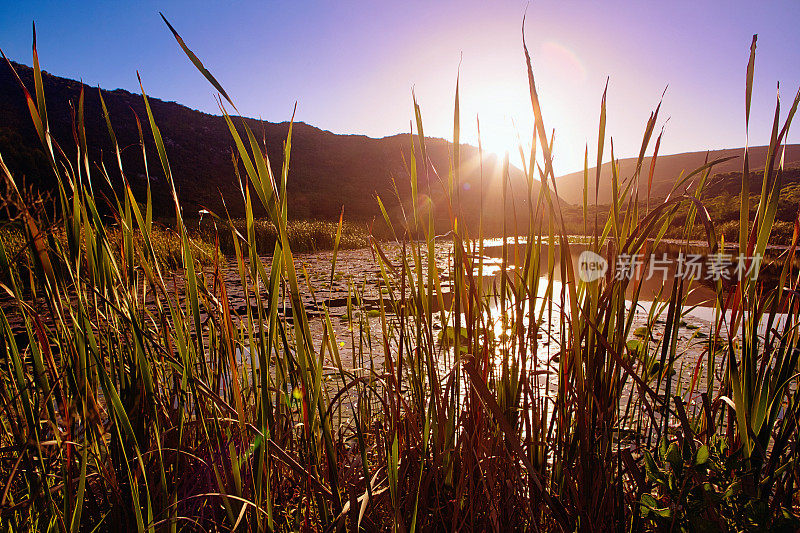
(130,401)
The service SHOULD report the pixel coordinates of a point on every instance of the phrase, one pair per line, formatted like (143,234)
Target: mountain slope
(668,169)
(327,171)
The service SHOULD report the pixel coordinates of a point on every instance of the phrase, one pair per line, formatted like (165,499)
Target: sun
(504,116)
(501,135)
(502,105)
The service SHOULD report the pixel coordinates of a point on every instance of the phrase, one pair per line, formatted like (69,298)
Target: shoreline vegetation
(129,403)
(721,198)
(303,235)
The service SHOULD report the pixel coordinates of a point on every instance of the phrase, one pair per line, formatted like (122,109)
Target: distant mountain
(327,171)
(668,169)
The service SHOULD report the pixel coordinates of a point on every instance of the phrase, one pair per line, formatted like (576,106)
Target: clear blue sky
(351,65)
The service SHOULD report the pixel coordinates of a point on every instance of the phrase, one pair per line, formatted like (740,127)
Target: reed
(127,402)
(304,235)
(166,244)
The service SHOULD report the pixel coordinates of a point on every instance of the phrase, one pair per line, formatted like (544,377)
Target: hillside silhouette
(667,171)
(328,171)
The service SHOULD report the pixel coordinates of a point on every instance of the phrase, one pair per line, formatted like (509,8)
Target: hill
(327,171)
(668,168)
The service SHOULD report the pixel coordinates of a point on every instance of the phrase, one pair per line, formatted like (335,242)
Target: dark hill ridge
(668,168)
(327,171)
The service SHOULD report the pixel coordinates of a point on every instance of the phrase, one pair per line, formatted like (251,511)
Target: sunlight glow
(505,119)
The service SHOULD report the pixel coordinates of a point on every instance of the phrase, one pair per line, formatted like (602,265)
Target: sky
(351,66)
